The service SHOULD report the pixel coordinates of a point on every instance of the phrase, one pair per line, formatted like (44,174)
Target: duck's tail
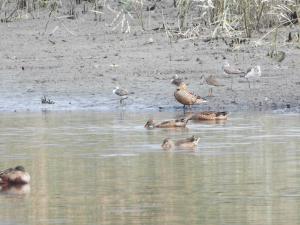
(200,100)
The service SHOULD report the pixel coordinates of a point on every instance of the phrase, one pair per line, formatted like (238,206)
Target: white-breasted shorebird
(176,80)
(122,93)
(253,73)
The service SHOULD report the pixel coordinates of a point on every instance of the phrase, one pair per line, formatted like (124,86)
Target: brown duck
(14,176)
(208,115)
(166,124)
(185,97)
(187,143)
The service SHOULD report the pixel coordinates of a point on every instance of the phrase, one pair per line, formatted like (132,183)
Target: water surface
(104,168)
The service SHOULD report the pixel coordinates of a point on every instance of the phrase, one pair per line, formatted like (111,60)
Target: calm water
(100,168)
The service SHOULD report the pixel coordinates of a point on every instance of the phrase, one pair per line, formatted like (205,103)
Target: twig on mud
(10,15)
(49,17)
(68,30)
(95,11)
(54,30)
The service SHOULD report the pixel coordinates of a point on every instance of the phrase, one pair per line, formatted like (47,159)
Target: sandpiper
(212,81)
(253,73)
(176,80)
(230,70)
(123,93)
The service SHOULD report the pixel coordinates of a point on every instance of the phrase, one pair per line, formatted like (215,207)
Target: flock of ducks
(18,176)
(186,98)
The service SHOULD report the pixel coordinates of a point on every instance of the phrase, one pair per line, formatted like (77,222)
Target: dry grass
(223,17)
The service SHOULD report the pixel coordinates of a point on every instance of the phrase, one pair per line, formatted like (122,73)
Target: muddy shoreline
(79,65)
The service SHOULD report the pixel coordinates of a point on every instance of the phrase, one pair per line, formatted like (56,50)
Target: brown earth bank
(77,63)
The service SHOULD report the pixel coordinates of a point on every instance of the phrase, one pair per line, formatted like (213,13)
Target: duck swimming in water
(208,115)
(166,124)
(14,176)
(187,143)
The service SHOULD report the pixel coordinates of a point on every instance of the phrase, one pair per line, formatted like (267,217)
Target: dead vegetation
(229,18)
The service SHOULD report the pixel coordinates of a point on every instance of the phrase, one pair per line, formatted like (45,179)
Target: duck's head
(181,86)
(20,168)
(149,124)
(167,144)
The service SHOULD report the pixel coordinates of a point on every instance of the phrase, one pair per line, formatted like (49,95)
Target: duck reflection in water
(19,189)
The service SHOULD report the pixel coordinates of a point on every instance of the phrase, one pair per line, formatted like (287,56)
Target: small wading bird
(253,73)
(14,176)
(122,93)
(230,70)
(188,143)
(212,81)
(176,80)
(208,115)
(166,124)
(185,97)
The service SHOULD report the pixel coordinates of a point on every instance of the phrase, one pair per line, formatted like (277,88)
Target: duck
(167,124)
(208,115)
(14,176)
(187,143)
(185,97)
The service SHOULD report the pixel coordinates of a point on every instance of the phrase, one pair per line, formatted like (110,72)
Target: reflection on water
(101,168)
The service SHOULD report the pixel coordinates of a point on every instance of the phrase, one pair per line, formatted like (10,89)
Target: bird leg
(249,83)
(210,92)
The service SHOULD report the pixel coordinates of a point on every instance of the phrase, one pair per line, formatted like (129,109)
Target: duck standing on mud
(188,144)
(166,124)
(185,97)
(14,176)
